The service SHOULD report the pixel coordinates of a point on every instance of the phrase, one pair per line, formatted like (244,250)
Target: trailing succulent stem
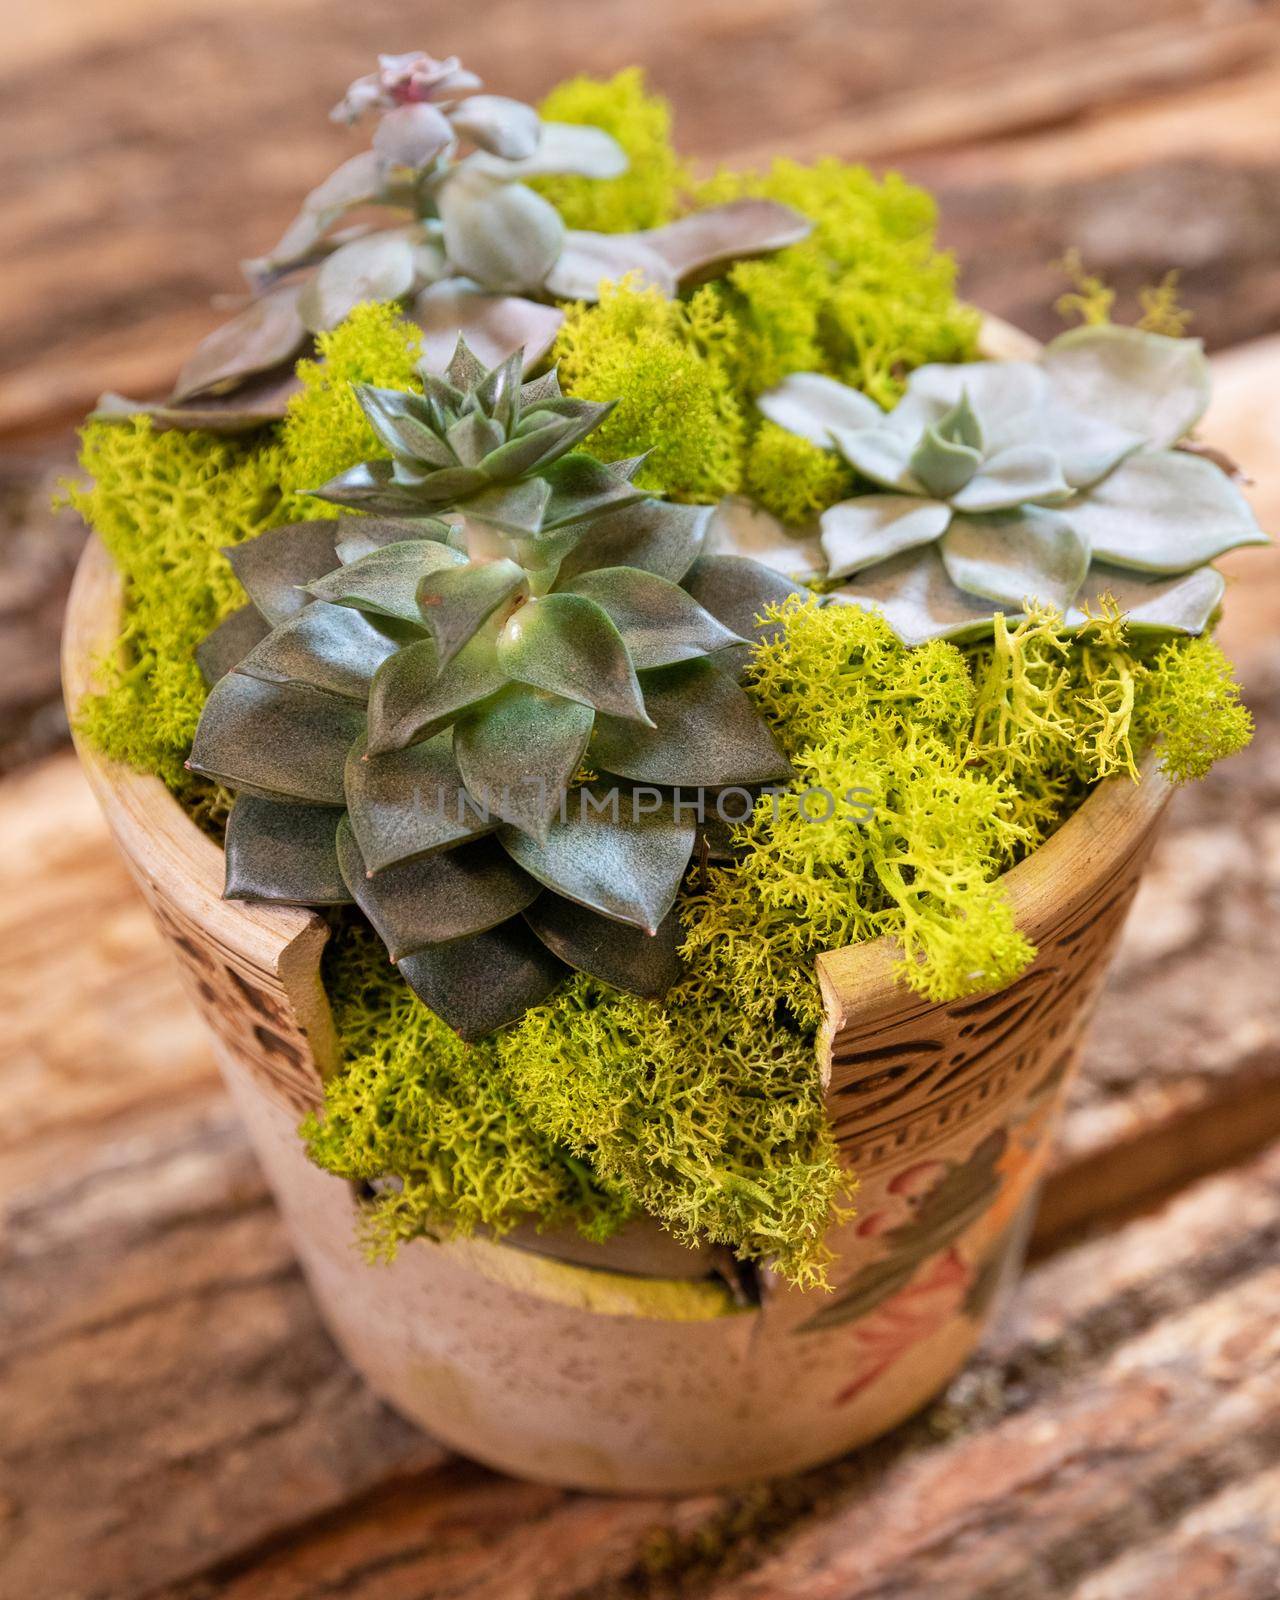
(471,247)
(408,703)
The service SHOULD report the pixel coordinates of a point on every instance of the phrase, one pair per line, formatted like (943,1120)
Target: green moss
(899,833)
(165,504)
(717,1129)
(413,1101)
(649,193)
(325,431)
(1189,705)
(664,362)
(793,478)
(865,298)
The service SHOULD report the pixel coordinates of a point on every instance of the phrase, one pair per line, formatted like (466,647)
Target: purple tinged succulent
(414,78)
(464,236)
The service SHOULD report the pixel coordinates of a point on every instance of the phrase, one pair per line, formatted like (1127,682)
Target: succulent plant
(476,710)
(465,244)
(1057,480)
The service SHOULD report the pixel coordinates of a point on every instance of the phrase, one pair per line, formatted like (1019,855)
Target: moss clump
(1189,705)
(649,193)
(890,828)
(793,478)
(413,1101)
(325,431)
(664,361)
(866,297)
(717,1129)
(165,504)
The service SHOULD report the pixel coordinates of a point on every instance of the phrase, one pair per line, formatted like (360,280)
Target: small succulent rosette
(1062,480)
(476,709)
(461,242)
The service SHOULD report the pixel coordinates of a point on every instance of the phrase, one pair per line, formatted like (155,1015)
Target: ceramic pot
(634,1366)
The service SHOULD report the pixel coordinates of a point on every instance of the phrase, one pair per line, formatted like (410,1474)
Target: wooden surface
(174,1424)
(157,146)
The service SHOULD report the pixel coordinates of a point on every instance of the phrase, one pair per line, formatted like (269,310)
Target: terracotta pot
(631,1366)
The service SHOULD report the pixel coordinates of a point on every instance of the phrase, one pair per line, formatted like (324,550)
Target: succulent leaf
(505,128)
(356,182)
(568,645)
(582,488)
(653,535)
(284,853)
(412,136)
(882,455)
(857,533)
(230,642)
(480,984)
(1146,383)
(455,601)
(275,568)
(660,623)
(494,324)
(386,580)
(1012,557)
(518,757)
(264,335)
(412,698)
(626,958)
(816,407)
(1182,604)
(380,266)
(328,647)
(711,238)
(564,147)
(917,598)
(942,466)
(518,509)
(354,537)
(500,234)
(279,740)
(433,899)
(738,527)
(1165,511)
(409,802)
(252,405)
(705,733)
(588,260)
(402,422)
(1022,474)
(737,591)
(611,855)
(372,486)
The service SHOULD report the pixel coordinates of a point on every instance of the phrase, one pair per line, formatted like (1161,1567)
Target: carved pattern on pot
(900,1083)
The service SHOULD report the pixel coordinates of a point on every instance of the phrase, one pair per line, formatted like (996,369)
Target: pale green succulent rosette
(1000,483)
(407,705)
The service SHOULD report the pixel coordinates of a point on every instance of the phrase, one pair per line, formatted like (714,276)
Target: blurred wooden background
(173,1421)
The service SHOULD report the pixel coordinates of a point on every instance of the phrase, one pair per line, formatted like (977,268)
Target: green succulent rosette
(408,705)
(1059,480)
